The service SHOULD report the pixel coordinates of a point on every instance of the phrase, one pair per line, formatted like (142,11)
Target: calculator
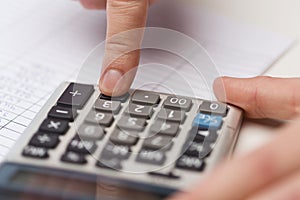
(143,145)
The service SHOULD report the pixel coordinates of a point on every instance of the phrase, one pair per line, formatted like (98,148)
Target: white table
(280,16)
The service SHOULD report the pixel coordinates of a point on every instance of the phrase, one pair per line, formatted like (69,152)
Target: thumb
(261,97)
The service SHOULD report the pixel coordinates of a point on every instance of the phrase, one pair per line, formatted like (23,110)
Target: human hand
(271,172)
(120,60)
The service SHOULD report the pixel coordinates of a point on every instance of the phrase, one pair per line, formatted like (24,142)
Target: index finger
(120,60)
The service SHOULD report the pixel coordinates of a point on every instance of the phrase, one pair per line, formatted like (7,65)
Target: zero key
(213,108)
(76,95)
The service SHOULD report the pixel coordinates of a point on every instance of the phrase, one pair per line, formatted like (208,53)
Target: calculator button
(145,98)
(132,123)
(190,163)
(82,146)
(110,163)
(151,157)
(165,128)
(76,95)
(44,140)
(62,113)
(210,136)
(122,98)
(107,106)
(176,102)
(115,151)
(123,137)
(90,132)
(55,126)
(104,119)
(35,152)
(213,108)
(72,157)
(197,148)
(171,115)
(135,110)
(206,121)
(158,142)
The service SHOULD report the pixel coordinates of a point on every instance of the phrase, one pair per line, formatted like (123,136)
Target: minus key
(63,113)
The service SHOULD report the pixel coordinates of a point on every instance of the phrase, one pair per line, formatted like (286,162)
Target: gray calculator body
(22,176)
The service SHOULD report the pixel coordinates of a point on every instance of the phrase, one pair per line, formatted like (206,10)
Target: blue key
(206,121)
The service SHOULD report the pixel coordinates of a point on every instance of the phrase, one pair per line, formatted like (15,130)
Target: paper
(43,42)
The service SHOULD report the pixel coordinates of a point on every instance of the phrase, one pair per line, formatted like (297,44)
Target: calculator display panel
(26,182)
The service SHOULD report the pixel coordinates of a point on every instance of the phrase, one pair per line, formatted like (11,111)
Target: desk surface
(280,16)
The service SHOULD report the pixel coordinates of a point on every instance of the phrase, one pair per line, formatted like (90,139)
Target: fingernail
(90,4)
(111,80)
(219,89)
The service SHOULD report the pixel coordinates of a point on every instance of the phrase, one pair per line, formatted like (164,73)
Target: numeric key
(74,158)
(104,119)
(135,110)
(171,115)
(165,128)
(90,132)
(124,137)
(107,106)
(158,142)
(213,108)
(132,123)
(177,102)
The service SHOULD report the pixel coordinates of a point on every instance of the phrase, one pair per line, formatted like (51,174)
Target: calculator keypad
(143,125)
